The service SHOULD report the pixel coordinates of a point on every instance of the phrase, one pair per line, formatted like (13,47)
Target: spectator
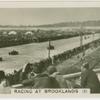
(2,79)
(3,83)
(89,79)
(43,80)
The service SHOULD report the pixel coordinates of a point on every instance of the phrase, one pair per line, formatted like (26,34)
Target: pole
(81,45)
(81,40)
(93,36)
(49,50)
(93,39)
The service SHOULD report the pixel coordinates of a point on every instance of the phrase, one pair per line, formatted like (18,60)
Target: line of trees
(12,38)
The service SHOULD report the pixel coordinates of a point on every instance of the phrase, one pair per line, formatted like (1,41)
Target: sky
(39,16)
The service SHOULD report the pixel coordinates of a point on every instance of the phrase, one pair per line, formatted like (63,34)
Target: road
(34,52)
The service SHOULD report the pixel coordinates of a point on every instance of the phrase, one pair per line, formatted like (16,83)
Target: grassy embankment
(74,64)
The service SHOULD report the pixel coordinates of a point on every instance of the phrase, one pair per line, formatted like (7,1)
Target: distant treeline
(61,24)
(12,38)
(73,24)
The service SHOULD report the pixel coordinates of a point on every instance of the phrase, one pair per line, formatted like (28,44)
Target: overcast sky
(37,16)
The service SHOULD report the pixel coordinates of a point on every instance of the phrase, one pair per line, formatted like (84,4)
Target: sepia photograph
(50,48)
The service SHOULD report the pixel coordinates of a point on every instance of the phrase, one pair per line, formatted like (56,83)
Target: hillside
(73,24)
(61,24)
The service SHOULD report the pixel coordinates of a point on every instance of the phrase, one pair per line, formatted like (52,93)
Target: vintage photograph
(54,48)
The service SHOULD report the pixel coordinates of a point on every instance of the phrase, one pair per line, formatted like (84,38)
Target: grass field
(36,51)
(74,64)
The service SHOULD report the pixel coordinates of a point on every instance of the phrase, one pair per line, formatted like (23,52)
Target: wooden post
(81,44)
(93,39)
(81,40)
(49,50)
(93,36)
